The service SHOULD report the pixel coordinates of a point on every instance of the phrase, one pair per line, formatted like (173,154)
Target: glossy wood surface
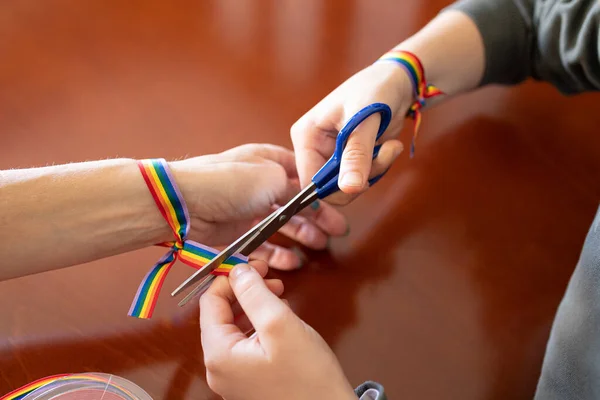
(446,287)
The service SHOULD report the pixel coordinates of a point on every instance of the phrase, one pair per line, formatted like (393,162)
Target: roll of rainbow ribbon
(173,208)
(422,90)
(90,386)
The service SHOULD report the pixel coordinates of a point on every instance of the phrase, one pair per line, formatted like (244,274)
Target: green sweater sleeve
(556,41)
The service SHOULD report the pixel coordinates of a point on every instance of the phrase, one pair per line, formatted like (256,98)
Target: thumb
(358,156)
(264,309)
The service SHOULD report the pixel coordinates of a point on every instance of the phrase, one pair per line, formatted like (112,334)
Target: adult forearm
(59,216)
(451,50)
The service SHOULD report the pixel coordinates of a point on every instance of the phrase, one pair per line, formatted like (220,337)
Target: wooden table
(446,287)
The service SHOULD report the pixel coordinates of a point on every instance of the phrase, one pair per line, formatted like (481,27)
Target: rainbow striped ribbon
(172,206)
(422,90)
(49,381)
(25,390)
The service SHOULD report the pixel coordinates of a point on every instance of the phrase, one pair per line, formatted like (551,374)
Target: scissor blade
(198,290)
(252,239)
(309,200)
(284,214)
(223,255)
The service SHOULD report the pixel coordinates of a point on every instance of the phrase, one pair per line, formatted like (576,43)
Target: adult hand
(284,359)
(227,193)
(314,134)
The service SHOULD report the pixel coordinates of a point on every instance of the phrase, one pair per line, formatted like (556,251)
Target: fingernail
(353,179)
(239,270)
(301,256)
(315,205)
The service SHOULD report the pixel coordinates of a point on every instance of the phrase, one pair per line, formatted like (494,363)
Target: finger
(305,232)
(216,303)
(341,199)
(270,152)
(217,328)
(241,319)
(274,285)
(328,221)
(260,266)
(285,193)
(327,218)
(388,153)
(244,324)
(278,257)
(280,155)
(266,312)
(358,155)
(313,146)
(249,329)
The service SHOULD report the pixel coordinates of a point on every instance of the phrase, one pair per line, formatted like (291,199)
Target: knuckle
(213,382)
(214,364)
(355,152)
(276,324)
(251,149)
(254,158)
(250,146)
(277,174)
(299,128)
(246,287)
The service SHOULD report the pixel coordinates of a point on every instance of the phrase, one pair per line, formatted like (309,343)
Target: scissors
(323,184)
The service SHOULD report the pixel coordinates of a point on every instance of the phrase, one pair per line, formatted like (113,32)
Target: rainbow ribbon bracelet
(173,208)
(422,90)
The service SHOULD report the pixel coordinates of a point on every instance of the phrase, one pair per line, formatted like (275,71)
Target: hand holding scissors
(323,184)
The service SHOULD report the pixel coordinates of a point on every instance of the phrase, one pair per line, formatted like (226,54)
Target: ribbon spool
(86,386)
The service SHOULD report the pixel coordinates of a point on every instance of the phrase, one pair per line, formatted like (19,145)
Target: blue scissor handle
(326,179)
(332,186)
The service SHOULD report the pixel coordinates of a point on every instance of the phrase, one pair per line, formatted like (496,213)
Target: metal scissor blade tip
(218,260)
(184,285)
(251,240)
(198,290)
(201,273)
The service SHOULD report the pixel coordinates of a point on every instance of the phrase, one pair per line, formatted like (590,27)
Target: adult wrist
(193,181)
(145,215)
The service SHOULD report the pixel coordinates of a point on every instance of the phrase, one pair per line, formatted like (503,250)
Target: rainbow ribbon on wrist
(172,206)
(421,89)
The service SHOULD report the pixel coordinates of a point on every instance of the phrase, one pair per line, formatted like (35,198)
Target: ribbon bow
(173,208)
